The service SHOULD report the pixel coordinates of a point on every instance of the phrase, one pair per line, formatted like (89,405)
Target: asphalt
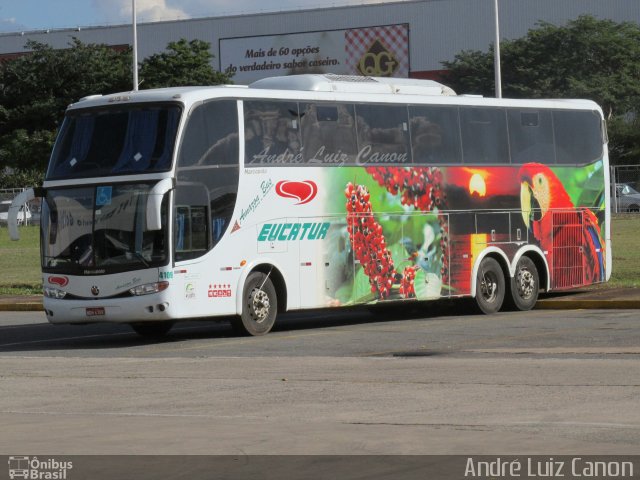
(599,297)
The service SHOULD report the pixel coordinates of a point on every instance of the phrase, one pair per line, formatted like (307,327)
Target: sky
(23,15)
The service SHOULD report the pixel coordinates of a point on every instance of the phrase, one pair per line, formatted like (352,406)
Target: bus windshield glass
(117,140)
(100,229)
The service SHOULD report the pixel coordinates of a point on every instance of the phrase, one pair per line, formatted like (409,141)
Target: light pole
(135,45)
(496,53)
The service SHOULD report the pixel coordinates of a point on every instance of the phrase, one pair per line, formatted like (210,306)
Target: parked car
(628,198)
(23,214)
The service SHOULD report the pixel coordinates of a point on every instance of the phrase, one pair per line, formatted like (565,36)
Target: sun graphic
(477,185)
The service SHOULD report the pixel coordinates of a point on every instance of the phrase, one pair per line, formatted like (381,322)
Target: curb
(587,305)
(21,307)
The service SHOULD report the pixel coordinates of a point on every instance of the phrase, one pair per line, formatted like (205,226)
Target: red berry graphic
(367,241)
(421,188)
(407,288)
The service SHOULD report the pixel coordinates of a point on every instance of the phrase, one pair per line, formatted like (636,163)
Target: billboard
(381,51)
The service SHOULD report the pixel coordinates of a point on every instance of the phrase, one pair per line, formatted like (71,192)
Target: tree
(587,58)
(185,63)
(36,88)
(20,178)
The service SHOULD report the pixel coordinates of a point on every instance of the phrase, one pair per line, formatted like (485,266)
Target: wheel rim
(525,283)
(489,287)
(260,304)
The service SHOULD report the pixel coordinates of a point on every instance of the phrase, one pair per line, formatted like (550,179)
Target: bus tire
(490,286)
(259,306)
(525,285)
(152,329)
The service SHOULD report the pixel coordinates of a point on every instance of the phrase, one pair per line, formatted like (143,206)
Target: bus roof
(329,87)
(353,84)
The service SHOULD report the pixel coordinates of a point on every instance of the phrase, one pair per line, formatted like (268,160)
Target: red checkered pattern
(394,37)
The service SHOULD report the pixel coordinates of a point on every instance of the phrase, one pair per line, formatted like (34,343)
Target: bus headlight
(148,288)
(54,292)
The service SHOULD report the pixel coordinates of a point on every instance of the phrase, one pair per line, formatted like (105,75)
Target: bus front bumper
(146,308)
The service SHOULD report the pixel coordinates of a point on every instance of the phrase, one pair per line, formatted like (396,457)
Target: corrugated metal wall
(438,29)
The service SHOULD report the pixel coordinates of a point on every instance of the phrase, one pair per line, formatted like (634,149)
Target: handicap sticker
(103,196)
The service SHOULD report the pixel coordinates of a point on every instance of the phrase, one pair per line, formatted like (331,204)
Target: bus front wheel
(490,286)
(525,285)
(259,306)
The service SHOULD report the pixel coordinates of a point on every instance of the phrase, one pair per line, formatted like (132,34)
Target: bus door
(313,235)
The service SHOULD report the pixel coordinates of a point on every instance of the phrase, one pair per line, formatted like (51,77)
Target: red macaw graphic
(569,236)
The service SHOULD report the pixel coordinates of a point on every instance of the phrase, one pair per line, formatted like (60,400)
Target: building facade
(404,39)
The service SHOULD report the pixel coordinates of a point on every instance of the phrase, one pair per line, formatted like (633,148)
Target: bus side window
(578,136)
(328,134)
(272,133)
(383,134)
(211,135)
(435,135)
(531,136)
(484,135)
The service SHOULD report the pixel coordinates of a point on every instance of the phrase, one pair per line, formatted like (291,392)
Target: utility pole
(496,53)
(135,45)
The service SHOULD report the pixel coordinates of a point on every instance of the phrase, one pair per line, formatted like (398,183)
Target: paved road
(540,382)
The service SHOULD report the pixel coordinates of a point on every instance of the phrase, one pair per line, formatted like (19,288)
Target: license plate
(95,311)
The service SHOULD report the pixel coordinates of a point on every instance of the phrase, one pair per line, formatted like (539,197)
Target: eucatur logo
(60,281)
(304,191)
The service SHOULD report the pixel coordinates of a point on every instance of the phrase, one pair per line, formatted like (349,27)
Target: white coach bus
(316,191)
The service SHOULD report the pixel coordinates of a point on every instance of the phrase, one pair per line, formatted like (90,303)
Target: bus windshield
(115,140)
(100,229)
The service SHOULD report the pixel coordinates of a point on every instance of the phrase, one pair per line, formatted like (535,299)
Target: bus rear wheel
(152,329)
(490,286)
(525,285)
(259,306)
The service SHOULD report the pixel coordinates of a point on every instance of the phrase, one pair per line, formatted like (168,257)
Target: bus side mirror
(12,216)
(154,203)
